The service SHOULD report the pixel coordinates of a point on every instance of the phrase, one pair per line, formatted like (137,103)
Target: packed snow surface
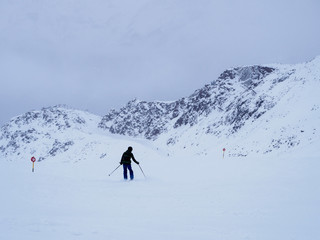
(182,197)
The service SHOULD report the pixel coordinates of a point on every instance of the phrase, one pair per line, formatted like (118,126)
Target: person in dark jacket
(126,162)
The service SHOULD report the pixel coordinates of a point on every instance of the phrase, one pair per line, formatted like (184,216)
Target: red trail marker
(223,152)
(33,159)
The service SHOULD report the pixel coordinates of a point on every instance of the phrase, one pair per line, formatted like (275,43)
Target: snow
(182,197)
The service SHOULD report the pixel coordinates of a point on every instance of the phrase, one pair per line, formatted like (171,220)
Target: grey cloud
(97,55)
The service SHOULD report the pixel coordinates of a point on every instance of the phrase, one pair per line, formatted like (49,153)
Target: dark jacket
(126,158)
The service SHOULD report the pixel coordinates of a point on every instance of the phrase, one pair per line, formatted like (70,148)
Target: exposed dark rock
(151,119)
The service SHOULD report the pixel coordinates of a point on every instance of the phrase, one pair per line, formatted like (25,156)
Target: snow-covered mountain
(63,132)
(233,94)
(50,131)
(278,102)
(251,109)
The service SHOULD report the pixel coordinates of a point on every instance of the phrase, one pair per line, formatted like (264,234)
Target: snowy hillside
(279,102)
(50,131)
(59,131)
(182,198)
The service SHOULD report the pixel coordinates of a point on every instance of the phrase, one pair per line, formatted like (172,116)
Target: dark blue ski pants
(127,167)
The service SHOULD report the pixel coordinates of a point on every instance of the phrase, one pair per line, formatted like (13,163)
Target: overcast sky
(98,54)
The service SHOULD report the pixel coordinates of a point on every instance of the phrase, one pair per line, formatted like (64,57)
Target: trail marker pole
(223,152)
(33,159)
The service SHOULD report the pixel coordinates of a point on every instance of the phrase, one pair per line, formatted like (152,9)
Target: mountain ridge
(271,100)
(239,97)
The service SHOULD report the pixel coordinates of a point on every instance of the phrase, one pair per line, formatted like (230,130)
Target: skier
(126,162)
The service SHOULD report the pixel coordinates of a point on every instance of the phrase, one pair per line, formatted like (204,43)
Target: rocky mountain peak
(151,119)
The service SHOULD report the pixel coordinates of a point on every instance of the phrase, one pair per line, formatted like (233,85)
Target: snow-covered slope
(61,132)
(278,102)
(50,131)
(203,197)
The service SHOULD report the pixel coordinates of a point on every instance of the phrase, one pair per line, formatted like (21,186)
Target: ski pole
(142,171)
(114,170)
